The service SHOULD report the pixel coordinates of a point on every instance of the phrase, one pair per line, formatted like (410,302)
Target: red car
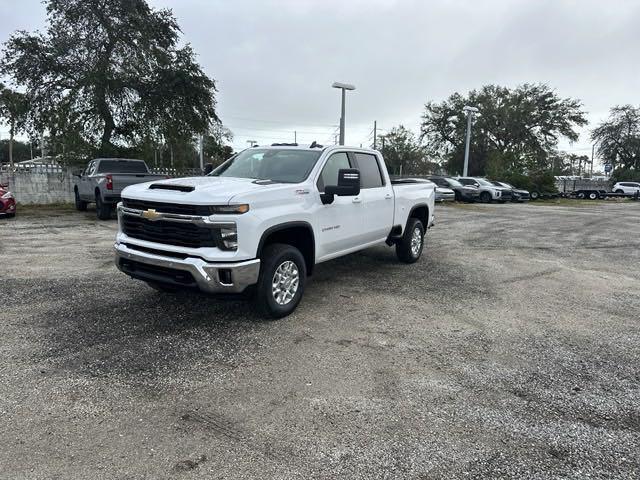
(7,202)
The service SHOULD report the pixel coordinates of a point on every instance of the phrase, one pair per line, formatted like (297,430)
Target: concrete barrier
(40,187)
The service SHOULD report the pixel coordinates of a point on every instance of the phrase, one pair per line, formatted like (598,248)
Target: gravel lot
(511,350)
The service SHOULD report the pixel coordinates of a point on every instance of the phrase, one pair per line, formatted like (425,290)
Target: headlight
(229,236)
(6,195)
(227,209)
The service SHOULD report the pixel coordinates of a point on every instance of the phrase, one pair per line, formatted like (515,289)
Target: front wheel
(485,197)
(534,195)
(281,282)
(81,205)
(619,191)
(409,248)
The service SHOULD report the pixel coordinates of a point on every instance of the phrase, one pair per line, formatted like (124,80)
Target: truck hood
(199,190)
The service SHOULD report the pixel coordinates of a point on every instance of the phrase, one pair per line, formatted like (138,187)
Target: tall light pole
(470,111)
(344,87)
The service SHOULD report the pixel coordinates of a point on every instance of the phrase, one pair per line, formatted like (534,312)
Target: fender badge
(302,192)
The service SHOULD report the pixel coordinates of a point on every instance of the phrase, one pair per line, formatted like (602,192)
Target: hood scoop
(164,186)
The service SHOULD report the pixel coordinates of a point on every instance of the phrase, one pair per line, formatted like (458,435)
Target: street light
(344,87)
(470,111)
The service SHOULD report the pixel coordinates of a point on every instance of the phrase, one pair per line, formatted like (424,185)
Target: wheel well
(421,212)
(299,235)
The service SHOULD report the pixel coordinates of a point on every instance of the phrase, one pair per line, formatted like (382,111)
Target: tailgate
(122,180)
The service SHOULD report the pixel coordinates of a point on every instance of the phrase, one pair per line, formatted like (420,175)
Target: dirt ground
(511,350)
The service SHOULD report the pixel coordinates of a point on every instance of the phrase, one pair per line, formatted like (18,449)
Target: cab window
(370,173)
(329,174)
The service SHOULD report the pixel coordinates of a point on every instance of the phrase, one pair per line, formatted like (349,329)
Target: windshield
(122,166)
(483,182)
(279,165)
(454,183)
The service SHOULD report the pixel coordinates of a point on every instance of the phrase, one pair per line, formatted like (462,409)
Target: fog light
(224,276)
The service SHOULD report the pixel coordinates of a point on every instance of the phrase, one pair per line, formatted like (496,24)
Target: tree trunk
(11,130)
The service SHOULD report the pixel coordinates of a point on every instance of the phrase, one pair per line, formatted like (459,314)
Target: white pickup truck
(265,218)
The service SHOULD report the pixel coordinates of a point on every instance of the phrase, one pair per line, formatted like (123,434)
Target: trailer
(594,194)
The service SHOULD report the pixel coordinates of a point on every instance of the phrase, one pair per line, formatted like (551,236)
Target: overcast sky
(274,62)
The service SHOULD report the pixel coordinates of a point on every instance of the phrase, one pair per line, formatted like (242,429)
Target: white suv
(629,188)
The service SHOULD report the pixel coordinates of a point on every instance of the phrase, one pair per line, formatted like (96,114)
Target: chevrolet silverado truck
(103,180)
(265,218)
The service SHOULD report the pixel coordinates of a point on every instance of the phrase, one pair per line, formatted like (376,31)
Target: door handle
(388,196)
(357,200)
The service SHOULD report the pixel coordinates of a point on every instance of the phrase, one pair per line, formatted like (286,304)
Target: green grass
(46,209)
(574,202)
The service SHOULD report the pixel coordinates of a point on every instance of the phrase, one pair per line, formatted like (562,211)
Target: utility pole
(343,87)
(375,132)
(295,137)
(593,151)
(470,111)
(202,152)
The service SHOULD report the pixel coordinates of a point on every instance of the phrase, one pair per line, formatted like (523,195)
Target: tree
(13,109)
(618,141)
(214,146)
(402,152)
(110,72)
(517,129)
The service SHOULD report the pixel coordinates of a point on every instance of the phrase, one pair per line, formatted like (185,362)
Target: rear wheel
(81,205)
(619,191)
(593,195)
(281,282)
(534,195)
(485,197)
(103,210)
(409,248)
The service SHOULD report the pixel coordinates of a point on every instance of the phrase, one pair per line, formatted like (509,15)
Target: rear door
(376,194)
(338,224)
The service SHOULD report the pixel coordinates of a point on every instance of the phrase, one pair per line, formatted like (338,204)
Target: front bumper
(209,277)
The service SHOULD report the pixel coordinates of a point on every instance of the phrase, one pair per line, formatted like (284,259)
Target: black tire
(619,191)
(534,195)
(593,195)
(81,205)
(103,210)
(161,287)
(485,197)
(10,215)
(403,248)
(274,257)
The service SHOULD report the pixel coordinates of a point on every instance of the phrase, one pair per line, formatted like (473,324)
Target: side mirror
(348,185)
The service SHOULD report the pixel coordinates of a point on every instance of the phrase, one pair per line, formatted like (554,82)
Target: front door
(339,224)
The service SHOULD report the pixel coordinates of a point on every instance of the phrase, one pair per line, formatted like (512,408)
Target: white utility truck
(265,218)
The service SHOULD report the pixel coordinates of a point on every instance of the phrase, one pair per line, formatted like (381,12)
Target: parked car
(266,217)
(7,202)
(445,194)
(104,179)
(517,194)
(628,188)
(463,193)
(487,190)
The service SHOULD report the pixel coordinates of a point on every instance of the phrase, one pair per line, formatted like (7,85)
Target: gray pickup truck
(104,179)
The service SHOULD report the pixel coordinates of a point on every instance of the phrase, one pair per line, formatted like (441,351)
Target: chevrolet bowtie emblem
(150,214)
